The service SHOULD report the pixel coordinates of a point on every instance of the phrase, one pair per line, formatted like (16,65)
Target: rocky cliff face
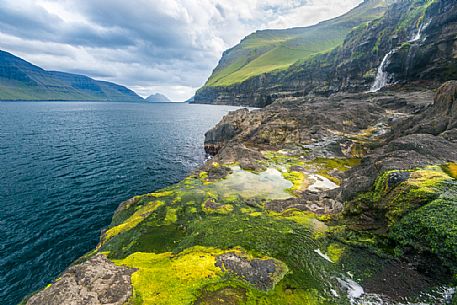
(414,41)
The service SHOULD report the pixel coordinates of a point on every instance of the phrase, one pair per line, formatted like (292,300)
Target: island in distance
(158,98)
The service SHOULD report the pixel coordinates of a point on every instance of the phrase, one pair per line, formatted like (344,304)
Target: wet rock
(224,131)
(397,178)
(94,282)
(405,153)
(318,203)
(262,273)
(238,153)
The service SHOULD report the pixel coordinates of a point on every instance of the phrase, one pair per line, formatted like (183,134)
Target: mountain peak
(158,98)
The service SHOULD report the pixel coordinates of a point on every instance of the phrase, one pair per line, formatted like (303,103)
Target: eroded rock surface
(95,282)
(262,273)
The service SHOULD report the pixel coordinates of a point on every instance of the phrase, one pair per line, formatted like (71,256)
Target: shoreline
(226,220)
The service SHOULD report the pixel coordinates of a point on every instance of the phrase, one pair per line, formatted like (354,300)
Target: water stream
(382,77)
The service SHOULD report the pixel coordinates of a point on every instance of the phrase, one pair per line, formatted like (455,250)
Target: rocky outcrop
(313,120)
(95,282)
(424,139)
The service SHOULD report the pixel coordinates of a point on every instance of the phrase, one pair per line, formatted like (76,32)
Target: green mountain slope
(20,80)
(270,50)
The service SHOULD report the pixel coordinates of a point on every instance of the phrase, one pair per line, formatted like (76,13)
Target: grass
(275,50)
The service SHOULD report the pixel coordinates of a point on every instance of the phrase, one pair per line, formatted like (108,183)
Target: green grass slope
(271,50)
(20,80)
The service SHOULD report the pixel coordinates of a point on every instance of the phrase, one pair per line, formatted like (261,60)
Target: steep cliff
(413,41)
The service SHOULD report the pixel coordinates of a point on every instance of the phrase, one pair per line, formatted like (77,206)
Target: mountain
(272,50)
(158,98)
(21,80)
(397,39)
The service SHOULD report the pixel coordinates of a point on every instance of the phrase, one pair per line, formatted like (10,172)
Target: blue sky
(166,46)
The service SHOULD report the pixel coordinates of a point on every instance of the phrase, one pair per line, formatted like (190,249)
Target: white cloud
(167,46)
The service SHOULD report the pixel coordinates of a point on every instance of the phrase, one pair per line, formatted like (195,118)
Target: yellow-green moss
(220,209)
(256,214)
(133,220)
(304,218)
(167,279)
(451,169)
(203,175)
(298,179)
(278,158)
(335,251)
(170,216)
(160,194)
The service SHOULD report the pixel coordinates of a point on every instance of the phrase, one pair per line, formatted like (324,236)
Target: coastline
(228,232)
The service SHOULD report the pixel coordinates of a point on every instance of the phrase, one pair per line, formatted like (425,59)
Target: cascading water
(418,35)
(382,77)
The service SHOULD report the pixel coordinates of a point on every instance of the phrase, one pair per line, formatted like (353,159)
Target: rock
(396,178)
(225,130)
(436,119)
(262,273)
(94,282)
(408,152)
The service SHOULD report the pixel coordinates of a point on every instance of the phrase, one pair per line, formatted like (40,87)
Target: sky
(166,46)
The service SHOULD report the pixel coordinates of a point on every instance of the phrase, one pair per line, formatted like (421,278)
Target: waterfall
(418,35)
(382,78)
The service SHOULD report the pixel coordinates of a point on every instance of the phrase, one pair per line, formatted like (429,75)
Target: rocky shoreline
(343,200)
(330,194)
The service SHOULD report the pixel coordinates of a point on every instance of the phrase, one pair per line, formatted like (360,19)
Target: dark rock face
(308,121)
(94,282)
(439,118)
(429,59)
(260,273)
(427,138)
(408,152)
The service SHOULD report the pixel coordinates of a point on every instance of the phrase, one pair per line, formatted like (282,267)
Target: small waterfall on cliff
(382,78)
(418,35)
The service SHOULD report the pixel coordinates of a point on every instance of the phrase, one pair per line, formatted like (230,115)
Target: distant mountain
(21,80)
(158,98)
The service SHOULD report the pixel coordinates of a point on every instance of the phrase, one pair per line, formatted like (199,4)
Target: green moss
(171,279)
(133,220)
(326,167)
(298,179)
(431,228)
(171,217)
(203,175)
(335,251)
(279,158)
(451,169)
(146,237)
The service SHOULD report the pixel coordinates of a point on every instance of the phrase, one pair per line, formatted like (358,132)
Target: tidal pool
(269,184)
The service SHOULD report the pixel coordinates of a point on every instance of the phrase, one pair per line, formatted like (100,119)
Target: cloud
(167,46)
